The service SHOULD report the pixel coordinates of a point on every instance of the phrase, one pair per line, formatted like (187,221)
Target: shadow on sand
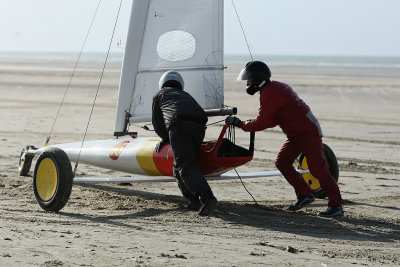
(263,216)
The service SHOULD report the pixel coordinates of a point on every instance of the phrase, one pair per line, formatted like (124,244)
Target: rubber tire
(25,162)
(332,165)
(64,180)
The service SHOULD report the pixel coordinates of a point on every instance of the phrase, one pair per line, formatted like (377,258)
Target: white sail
(181,35)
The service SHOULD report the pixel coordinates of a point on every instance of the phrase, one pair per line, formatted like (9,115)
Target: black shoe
(208,205)
(194,204)
(332,212)
(302,201)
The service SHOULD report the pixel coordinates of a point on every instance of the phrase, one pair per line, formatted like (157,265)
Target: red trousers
(310,145)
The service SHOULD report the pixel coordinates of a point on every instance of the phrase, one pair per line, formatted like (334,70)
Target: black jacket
(172,104)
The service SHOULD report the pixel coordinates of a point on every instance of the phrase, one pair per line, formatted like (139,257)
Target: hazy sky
(282,27)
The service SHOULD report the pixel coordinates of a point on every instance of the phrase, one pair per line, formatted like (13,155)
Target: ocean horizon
(229,59)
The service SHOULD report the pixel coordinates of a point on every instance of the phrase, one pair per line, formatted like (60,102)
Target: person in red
(280,105)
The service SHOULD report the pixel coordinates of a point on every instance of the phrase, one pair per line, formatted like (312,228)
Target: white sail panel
(133,46)
(181,35)
(193,17)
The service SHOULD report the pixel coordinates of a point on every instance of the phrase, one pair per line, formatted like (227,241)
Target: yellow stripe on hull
(144,157)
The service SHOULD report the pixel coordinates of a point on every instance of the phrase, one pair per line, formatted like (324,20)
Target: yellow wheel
(314,182)
(47,179)
(52,180)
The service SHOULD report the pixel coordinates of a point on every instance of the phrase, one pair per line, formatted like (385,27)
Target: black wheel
(311,180)
(52,180)
(25,161)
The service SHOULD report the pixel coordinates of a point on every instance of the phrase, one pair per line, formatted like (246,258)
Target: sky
(272,27)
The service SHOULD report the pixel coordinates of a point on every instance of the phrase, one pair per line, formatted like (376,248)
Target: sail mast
(134,42)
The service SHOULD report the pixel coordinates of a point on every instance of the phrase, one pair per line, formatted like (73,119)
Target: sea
(229,59)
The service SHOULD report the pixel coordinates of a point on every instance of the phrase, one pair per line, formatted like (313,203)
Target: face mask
(252,89)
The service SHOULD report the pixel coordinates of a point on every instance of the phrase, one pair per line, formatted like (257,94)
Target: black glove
(159,146)
(233,121)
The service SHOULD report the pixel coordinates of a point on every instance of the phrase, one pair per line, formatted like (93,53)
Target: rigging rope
(254,200)
(212,123)
(244,34)
(145,127)
(98,87)
(231,132)
(73,73)
(240,178)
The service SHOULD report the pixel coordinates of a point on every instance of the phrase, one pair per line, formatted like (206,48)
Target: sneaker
(194,204)
(332,212)
(302,201)
(207,206)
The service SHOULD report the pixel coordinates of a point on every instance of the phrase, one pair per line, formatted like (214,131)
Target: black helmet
(257,72)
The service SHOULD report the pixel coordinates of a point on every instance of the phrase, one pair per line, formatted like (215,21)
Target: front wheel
(52,180)
(311,180)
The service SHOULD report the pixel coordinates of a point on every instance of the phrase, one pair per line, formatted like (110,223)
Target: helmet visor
(244,75)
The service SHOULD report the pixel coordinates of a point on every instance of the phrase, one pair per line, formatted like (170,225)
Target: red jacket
(280,105)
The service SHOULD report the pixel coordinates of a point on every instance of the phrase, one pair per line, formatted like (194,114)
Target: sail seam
(181,68)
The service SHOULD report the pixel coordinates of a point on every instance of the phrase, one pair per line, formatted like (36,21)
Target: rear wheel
(52,180)
(311,180)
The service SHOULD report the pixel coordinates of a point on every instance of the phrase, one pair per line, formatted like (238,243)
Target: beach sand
(146,224)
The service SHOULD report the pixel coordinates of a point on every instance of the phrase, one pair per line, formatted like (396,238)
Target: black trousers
(185,138)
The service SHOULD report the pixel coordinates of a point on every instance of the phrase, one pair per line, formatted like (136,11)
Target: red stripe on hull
(164,160)
(211,161)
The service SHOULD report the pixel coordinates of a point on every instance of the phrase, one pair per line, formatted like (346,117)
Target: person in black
(177,118)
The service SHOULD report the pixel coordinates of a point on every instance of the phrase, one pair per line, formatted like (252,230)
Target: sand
(147,225)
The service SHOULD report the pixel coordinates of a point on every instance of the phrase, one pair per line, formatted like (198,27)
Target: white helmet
(171,78)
